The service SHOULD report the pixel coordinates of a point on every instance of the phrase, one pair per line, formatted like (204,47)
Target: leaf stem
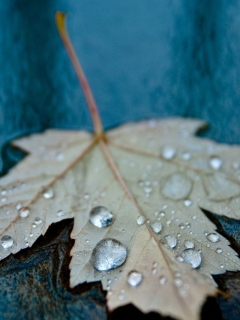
(60,18)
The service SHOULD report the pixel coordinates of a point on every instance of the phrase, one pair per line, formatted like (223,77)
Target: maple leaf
(136,194)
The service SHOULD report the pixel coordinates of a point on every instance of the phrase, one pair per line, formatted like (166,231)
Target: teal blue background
(143,59)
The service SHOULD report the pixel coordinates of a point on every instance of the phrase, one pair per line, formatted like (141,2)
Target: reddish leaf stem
(60,22)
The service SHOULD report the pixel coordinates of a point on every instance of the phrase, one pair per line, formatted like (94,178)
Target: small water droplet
(148,190)
(162,280)
(134,278)
(48,193)
(38,221)
(23,212)
(186,156)
(168,152)
(179,258)
(219,250)
(162,214)
(213,237)
(101,217)
(140,220)
(177,186)
(187,203)
(222,266)
(178,282)
(108,254)
(140,183)
(189,244)
(6,241)
(192,257)
(3,200)
(31,235)
(156,226)
(215,162)
(60,213)
(182,226)
(18,206)
(3,192)
(34,225)
(169,241)
(60,156)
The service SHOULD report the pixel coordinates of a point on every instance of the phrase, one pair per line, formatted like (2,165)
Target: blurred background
(143,59)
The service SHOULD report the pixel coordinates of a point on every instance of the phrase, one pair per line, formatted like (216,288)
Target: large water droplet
(169,241)
(6,242)
(134,278)
(101,217)
(156,226)
(140,220)
(189,244)
(23,212)
(213,237)
(108,254)
(48,193)
(215,162)
(177,186)
(168,152)
(192,257)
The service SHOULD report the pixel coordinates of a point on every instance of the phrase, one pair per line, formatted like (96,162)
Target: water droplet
(168,152)
(187,203)
(219,250)
(186,156)
(189,244)
(38,220)
(192,257)
(31,235)
(60,213)
(177,186)
(169,241)
(108,254)
(34,225)
(48,193)
(134,278)
(215,162)
(60,156)
(3,199)
(18,206)
(162,214)
(222,266)
(162,280)
(156,226)
(140,220)
(213,237)
(6,242)
(178,282)
(23,212)
(141,183)
(101,217)
(182,226)
(148,189)
(179,258)
(4,192)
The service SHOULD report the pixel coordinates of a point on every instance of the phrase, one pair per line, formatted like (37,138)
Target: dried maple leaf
(136,195)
